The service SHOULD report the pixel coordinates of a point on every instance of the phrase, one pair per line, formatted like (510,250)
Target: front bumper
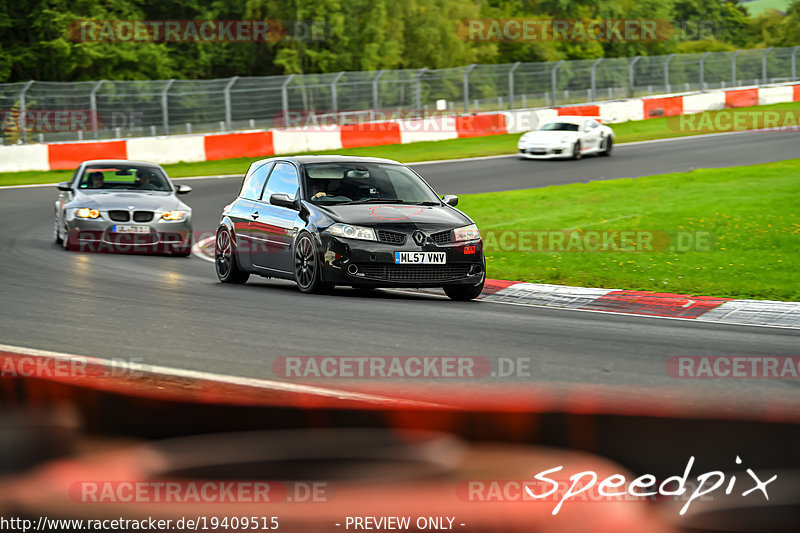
(371,263)
(544,151)
(97,235)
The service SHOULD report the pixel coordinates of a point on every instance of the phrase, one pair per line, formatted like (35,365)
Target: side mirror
(64,186)
(450,199)
(282,200)
(183,189)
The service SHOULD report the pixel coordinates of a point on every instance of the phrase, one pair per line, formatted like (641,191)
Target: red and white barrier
(210,147)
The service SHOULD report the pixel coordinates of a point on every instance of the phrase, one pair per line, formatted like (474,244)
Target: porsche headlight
(565,139)
(85,212)
(467,233)
(352,232)
(174,215)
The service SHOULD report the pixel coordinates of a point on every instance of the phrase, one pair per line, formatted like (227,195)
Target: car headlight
(523,138)
(85,212)
(467,233)
(174,215)
(564,139)
(352,232)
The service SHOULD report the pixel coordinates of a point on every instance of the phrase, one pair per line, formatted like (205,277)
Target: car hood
(552,136)
(396,215)
(146,201)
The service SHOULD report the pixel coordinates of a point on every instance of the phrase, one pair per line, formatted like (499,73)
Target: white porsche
(567,137)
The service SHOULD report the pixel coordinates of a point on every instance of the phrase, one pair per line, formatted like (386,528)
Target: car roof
(307,159)
(112,162)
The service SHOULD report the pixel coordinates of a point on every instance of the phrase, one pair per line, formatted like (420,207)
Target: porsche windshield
(559,126)
(343,183)
(131,178)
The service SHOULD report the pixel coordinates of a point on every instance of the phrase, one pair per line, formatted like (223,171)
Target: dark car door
(241,211)
(271,226)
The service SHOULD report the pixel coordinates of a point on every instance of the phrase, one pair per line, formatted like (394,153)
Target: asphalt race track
(173,312)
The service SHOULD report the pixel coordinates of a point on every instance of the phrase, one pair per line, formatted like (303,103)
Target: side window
(282,180)
(254,182)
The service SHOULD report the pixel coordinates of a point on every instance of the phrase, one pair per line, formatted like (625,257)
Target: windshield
(559,126)
(128,177)
(341,183)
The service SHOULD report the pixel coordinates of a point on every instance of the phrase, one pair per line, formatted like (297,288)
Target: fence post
(285,99)
(703,71)
(164,108)
(794,62)
(418,82)
(22,110)
(733,67)
(511,84)
(375,100)
(93,105)
(554,80)
(227,93)
(632,75)
(334,96)
(593,79)
(466,87)
(666,72)
(764,64)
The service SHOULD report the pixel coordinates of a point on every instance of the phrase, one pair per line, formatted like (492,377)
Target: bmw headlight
(467,233)
(85,212)
(174,215)
(352,232)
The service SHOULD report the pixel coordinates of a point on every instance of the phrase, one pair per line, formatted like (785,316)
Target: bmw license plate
(420,258)
(131,229)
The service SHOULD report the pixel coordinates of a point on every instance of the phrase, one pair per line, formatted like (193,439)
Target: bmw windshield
(129,178)
(350,183)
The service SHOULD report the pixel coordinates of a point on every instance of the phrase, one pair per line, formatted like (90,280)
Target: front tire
(225,262)
(609,145)
(576,150)
(307,266)
(56,231)
(463,293)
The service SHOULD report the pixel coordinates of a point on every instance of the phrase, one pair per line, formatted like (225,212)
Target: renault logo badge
(418,237)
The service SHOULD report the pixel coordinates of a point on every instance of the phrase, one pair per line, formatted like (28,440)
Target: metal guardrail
(37,111)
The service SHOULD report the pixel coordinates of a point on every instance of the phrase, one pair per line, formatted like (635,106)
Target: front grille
(443,237)
(391,237)
(143,216)
(119,216)
(414,272)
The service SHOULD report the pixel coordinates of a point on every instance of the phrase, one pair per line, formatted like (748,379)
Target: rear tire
(225,262)
(308,267)
(609,145)
(463,293)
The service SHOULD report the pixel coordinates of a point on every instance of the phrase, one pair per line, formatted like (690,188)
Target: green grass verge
(750,213)
(655,128)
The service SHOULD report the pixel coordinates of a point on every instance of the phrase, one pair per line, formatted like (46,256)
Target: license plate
(131,229)
(420,258)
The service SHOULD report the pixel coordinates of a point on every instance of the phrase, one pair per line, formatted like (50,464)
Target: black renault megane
(324,221)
